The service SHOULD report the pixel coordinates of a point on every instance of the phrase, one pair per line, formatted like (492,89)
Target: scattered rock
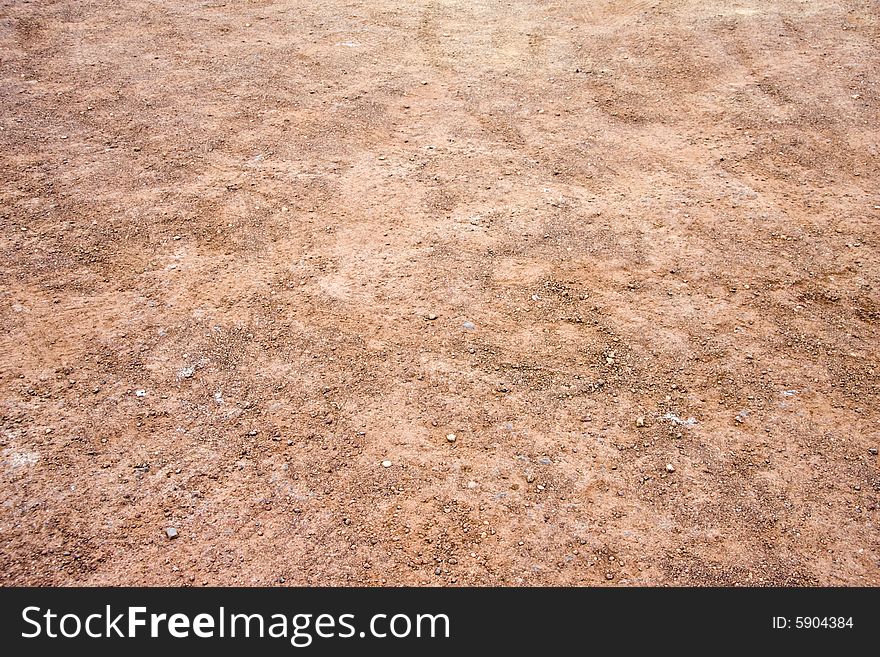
(640,421)
(451,438)
(171,533)
(140,393)
(670,468)
(431,317)
(386,464)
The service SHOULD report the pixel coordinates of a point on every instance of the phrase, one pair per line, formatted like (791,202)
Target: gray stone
(171,532)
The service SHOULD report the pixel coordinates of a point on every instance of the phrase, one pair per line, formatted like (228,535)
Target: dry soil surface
(260,259)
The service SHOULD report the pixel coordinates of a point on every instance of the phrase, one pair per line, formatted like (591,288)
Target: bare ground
(646,233)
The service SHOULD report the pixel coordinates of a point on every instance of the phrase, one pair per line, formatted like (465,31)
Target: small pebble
(432,316)
(872,451)
(640,421)
(386,464)
(171,532)
(451,438)
(670,467)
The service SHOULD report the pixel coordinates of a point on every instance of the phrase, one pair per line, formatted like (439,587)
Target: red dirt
(249,210)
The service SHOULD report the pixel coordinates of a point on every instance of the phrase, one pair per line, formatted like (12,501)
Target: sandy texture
(626,252)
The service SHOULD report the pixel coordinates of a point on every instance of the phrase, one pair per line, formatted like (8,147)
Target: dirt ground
(260,259)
